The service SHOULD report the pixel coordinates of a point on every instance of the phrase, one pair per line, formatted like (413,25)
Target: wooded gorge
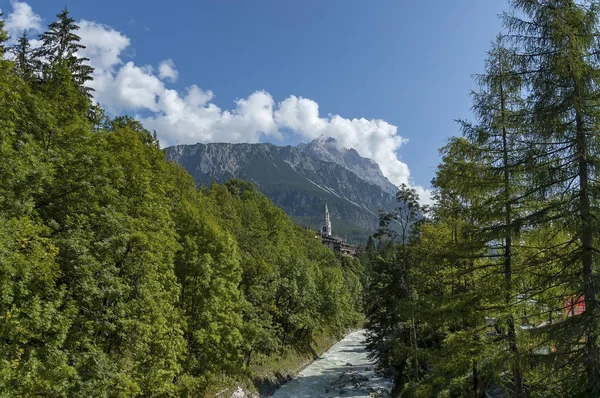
(120,278)
(117,276)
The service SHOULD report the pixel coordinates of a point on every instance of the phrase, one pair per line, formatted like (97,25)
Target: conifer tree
(24,56)
(495,146)
(472,281)
(3,34)
(559,47)
(60,45)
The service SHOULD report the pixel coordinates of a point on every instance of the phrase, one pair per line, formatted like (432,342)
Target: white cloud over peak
(374,138)
(190,115)
(167,71)
(21,18)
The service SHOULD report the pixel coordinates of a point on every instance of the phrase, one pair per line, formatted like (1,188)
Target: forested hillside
(495,294)
(119,278)
(300,180)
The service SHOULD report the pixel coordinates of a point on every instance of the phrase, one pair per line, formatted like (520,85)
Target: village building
(335,243)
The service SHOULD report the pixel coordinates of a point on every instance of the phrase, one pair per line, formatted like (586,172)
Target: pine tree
(3,34)
(60,46)
(24,61)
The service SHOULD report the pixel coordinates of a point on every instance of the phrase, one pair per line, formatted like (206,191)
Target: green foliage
(3,35)
(292,284)
(59,49)
(35,313)
(119,277)
(482,289)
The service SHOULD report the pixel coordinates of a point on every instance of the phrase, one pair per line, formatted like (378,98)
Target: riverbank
(267,374)
(343,370)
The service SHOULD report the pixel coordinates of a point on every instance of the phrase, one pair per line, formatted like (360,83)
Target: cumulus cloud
(191,118)
(375,138)
(104,45)
(190,115)
(167,71)
(119,86)
(22,18)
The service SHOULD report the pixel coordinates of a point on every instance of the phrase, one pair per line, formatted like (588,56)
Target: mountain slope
(300,180)
(329,150)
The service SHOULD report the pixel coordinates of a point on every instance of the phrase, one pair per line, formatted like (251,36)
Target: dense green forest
(118,278)
(495,292)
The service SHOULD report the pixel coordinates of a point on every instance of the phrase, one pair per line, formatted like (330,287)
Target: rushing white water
(343,371)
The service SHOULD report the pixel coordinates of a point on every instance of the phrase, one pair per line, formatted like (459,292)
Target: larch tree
(558,44)
(495,142)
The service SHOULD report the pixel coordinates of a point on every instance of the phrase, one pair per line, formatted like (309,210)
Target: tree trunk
(475,386)
(592,357)
(508,286)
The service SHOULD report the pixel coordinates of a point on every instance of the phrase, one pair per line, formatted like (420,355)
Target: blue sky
(408,63)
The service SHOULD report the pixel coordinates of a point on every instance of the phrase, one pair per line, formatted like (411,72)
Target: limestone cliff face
(299,179)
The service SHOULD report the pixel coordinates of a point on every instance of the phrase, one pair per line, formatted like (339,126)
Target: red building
(574,306)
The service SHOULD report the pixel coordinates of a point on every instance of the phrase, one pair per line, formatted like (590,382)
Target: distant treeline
(118,278)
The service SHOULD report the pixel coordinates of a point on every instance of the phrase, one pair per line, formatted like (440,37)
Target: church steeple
(326,230)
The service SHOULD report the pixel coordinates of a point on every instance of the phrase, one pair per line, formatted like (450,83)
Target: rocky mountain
(329,150)
(300,180)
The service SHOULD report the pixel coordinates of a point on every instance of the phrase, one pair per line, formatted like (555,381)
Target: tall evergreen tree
(24,60)
(3,34)
(495,146)
(60,46)
(560,48)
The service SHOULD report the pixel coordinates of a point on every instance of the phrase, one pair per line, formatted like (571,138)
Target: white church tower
(326,223)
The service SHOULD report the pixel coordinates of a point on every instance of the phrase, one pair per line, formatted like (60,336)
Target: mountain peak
(323,143)
(329,149)
(323,139)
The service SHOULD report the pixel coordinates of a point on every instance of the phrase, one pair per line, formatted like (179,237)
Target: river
(343,371)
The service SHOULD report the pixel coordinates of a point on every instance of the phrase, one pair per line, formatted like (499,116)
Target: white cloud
(103,44)
(190,116)
(118,86)
(22,18)
(425,195)
(375,138)
(167,71)
(131,88)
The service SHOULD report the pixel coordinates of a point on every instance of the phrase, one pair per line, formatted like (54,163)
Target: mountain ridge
(299,179)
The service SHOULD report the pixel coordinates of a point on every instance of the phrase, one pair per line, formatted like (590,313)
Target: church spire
(326,230)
